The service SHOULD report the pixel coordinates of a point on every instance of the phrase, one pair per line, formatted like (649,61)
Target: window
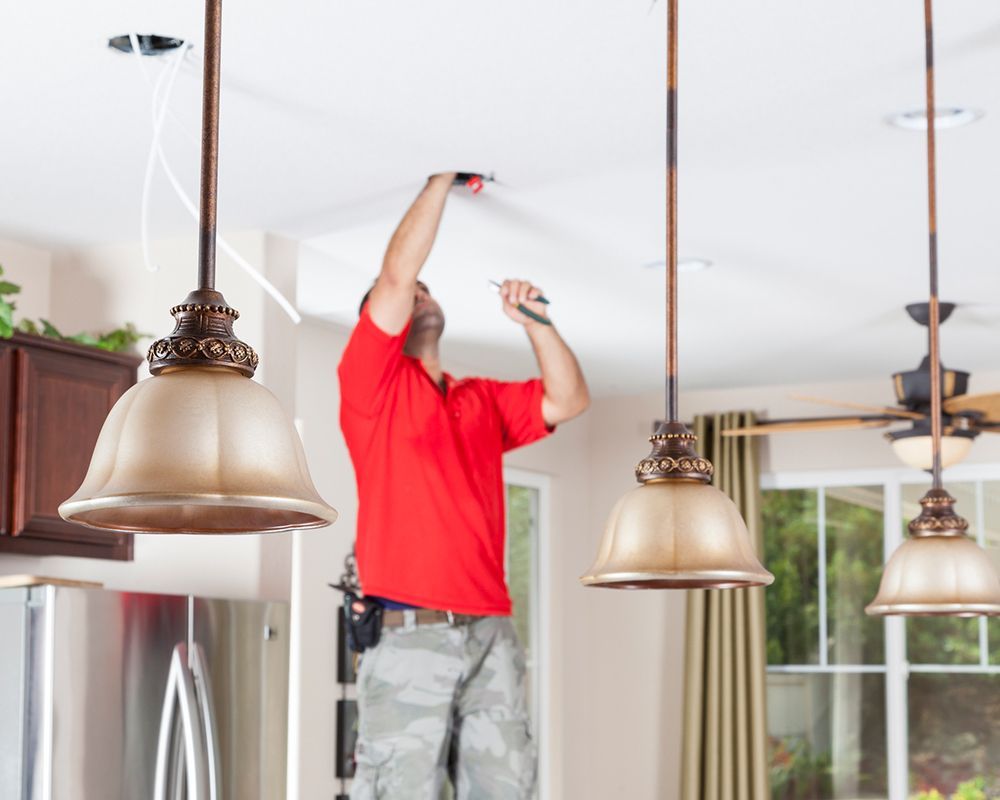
(861,707)
(527,559)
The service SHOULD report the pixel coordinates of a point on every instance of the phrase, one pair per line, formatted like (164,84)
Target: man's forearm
(566,393)
(414,237)
(391,300)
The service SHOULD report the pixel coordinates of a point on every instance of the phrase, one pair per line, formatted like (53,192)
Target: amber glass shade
(938,576)
(198,450)
(917,451)
(676,534)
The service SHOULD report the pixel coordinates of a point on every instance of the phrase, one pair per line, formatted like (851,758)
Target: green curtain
(725,724)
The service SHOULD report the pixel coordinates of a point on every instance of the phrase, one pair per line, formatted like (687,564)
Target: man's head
(428,318)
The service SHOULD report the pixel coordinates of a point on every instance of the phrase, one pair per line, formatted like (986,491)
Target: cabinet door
(60,404)
(6,434)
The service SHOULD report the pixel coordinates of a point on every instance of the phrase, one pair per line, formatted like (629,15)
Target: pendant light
(939,570)
(200,447)
(675,530)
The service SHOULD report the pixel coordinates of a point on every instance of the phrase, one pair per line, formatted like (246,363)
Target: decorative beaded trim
(668,465)
(198,308)
(187,348)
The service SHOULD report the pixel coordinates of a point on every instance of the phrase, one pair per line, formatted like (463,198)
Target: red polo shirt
(430,477)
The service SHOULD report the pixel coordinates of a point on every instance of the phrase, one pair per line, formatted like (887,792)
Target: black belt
(396,617)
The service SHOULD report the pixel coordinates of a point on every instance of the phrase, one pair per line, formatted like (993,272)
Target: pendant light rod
(210,144)
(934,322)
(671,332)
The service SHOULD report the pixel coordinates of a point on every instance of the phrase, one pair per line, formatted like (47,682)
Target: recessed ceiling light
(683,265)
(944,118)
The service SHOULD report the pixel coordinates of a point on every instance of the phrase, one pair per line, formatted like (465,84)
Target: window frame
(896,667)
(543,690)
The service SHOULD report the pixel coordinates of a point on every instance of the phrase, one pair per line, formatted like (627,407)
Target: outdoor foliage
(115,341)
(976,789)
(797,773)
(519,547)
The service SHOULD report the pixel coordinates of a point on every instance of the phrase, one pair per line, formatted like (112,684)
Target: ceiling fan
(965,415)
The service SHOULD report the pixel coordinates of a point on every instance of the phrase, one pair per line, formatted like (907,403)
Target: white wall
(30,268)
(317,559)
(616,679)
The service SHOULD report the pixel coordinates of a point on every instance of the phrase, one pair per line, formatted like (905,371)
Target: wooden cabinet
(54,397)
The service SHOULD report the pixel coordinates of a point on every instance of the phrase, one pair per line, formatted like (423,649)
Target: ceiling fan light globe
(917,451)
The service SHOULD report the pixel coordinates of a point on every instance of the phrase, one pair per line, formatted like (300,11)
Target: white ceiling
(812,209)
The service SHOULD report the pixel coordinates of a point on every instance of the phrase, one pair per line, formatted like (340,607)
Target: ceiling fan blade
(765,428)
(893,411)
(986,404)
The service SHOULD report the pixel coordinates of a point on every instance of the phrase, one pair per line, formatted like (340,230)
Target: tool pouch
(364,622)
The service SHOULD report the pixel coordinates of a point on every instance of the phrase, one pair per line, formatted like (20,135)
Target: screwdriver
(526,311)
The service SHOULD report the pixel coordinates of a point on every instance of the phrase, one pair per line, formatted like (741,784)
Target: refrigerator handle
(180,693)
(206,705)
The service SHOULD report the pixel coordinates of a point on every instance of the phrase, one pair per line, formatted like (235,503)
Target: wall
(616,677)
(31,269)
(317,559)
(102,287)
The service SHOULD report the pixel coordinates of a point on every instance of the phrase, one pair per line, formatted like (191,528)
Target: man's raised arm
(566,394)
(391,301)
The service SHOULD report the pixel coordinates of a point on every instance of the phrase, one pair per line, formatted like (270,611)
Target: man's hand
(515,293)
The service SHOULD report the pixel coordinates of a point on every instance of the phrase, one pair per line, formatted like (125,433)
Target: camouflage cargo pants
(444,701)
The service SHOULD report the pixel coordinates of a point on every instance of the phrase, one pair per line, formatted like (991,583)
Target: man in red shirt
(441,696)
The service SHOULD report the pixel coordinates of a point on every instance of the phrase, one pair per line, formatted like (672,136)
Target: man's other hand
(517,292)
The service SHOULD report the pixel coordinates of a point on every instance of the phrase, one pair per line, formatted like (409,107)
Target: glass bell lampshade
(199,447)
(680,534)
(675,530)
(939,570)
(917,451)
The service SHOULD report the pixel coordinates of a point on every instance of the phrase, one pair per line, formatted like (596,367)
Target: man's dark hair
(368,294)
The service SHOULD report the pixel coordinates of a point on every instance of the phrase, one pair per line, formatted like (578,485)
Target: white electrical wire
(168,74)
(160,111)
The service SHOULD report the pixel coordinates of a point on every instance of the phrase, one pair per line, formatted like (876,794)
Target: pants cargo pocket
(372,761)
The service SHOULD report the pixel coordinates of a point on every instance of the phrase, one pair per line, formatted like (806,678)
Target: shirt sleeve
(369,365)
(520,409)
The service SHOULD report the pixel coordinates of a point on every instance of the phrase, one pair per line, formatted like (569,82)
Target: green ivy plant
(115,341)
(7,306)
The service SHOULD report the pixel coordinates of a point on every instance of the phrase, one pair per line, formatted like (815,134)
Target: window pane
(854,551)
(954,732)
(521,503)
(790,552)
(991,533)
(827,736)
(941,640)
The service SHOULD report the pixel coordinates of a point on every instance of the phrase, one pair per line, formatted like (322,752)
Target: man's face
(427,314)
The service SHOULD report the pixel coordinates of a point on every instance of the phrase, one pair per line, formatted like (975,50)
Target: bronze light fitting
(675,530)
(200,447)
(939,570)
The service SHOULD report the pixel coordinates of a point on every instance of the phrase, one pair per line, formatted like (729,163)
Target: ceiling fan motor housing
(913,388)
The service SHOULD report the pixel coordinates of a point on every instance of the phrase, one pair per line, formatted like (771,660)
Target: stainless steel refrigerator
(123,696)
